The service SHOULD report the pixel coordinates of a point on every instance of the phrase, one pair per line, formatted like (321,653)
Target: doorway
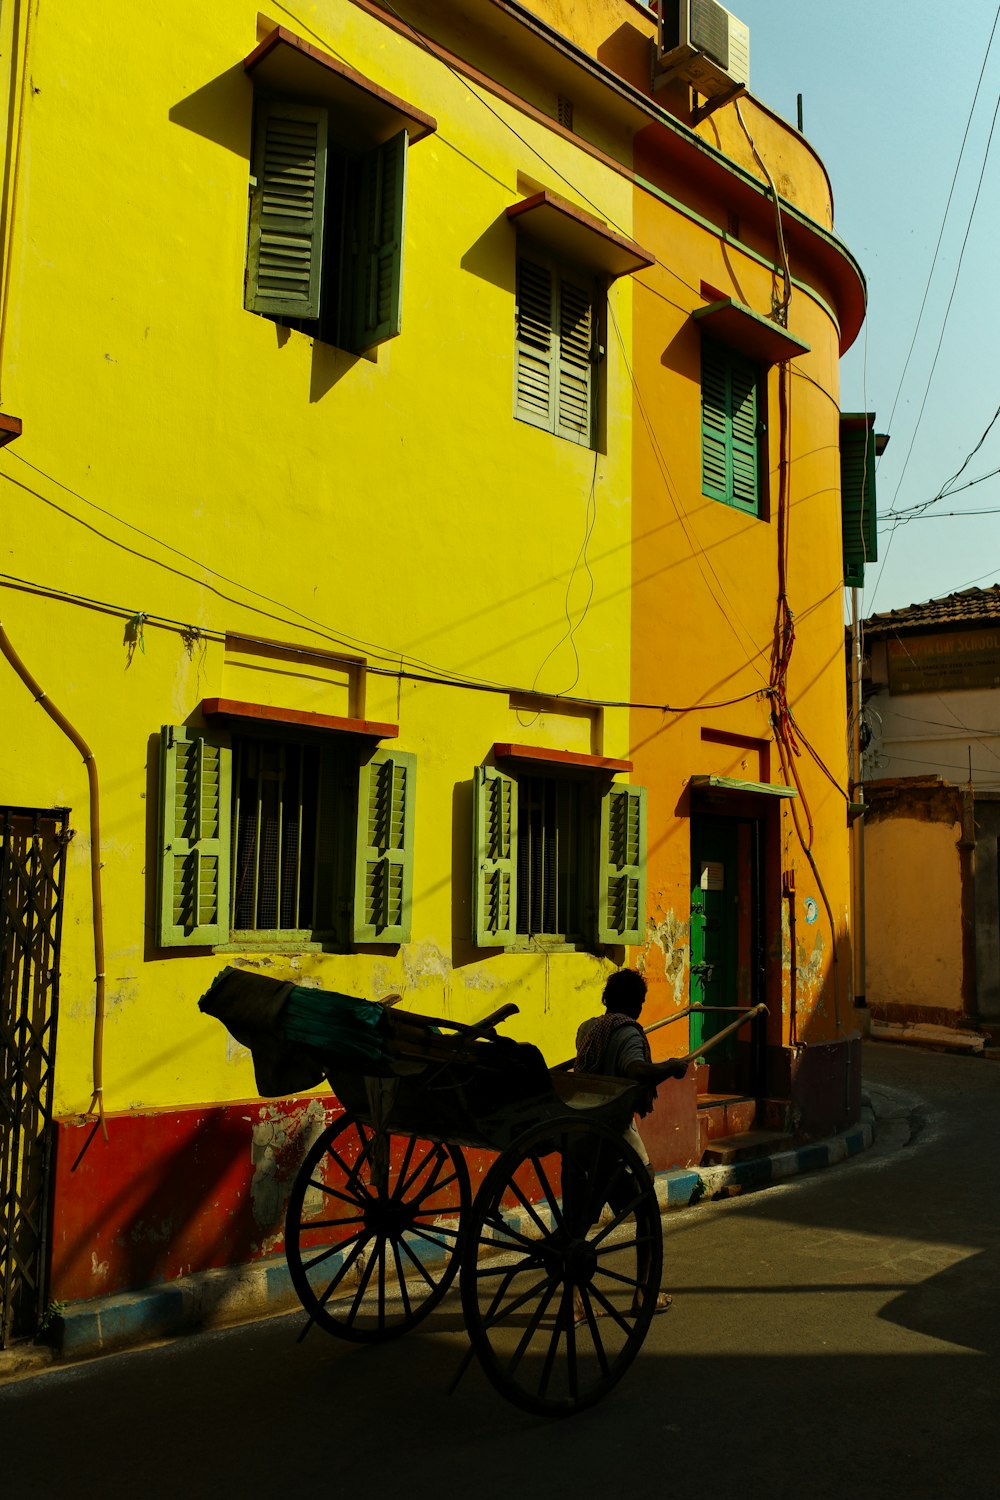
(727,946)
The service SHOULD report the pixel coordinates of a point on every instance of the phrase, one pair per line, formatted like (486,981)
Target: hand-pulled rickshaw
(558,1251)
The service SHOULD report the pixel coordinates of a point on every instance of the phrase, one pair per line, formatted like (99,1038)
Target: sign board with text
(951,659)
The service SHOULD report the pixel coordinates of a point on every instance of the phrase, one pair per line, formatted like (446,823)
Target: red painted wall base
(171,1192)
(176,1191)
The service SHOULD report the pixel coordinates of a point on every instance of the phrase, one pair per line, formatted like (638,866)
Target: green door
(714,930)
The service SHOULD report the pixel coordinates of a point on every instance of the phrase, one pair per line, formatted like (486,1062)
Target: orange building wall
(706,582)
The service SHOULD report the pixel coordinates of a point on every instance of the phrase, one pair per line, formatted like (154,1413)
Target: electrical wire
(330,633)
(946,706)
(698,552)
(944,220)
(953,515)
(948,765)
(206,633)
(944,324)
(946,488)
(572,626)
(779,305)
(916,512)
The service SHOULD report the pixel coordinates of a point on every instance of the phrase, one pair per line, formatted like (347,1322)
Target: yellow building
(354,514)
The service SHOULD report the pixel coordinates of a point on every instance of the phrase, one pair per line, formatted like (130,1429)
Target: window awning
(733,323)
(577,236)
(542,754)
(363,113)
(10,428)
(731,784)
(267,713)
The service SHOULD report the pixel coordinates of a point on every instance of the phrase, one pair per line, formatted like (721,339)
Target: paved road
(836,1336)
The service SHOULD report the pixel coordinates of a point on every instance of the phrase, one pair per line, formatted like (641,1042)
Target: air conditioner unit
(704,44)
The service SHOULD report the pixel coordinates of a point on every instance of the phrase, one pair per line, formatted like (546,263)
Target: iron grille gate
(32,877)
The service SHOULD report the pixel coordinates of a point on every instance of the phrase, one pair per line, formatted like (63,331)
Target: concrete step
(745,1146)
(725,1114)
(947,1038)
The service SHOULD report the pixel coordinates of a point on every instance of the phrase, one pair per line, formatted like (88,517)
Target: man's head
(625,992)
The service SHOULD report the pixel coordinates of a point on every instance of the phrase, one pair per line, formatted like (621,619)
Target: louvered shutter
(729,428)
(381,212)
(195,820)
(383,885)
(857,496)
(714,422)
(575,362)
(535,344)
(494,893)
(285,252)
(743,444)
(621,898)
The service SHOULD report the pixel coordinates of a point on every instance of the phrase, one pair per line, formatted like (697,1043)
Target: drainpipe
(43,701)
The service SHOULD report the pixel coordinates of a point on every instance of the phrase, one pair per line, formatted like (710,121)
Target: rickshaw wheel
(372,1231)
(561,1266)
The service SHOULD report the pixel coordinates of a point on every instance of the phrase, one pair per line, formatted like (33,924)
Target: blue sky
(887,90)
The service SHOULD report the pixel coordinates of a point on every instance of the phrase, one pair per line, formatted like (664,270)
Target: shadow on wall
(825,1073)
(219,111)
(175,1191)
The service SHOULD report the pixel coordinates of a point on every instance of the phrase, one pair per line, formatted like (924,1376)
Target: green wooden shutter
(381,212)
(535,352)
(574,397)
(285,252)
(729,428)
(383,883)
(857,495)
(743,446)
(494,891)
(621,897)
(195,814)
(714,422)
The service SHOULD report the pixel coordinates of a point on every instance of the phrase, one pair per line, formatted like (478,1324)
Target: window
(731,427)
(559,859)
(555,349)
(292,839)
(325,250)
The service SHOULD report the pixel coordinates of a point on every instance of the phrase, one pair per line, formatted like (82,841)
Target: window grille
(548,857)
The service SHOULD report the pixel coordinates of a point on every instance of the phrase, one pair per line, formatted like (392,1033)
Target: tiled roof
(970,607)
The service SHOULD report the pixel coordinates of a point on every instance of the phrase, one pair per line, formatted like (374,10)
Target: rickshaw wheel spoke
(385,1216)
(549,1310)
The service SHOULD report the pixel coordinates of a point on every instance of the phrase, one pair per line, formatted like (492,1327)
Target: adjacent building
(931,732)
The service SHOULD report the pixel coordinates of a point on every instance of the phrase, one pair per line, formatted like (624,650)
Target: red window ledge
(559,757)
(265,713)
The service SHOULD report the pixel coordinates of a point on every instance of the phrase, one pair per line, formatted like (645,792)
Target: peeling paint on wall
(671,936)
(424,963)
(810,969)
(484,979)
(235,1051)
(279,1142)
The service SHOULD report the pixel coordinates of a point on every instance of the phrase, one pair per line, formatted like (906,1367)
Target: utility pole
(858,824)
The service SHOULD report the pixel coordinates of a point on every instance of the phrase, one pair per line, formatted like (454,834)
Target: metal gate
(32,878)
